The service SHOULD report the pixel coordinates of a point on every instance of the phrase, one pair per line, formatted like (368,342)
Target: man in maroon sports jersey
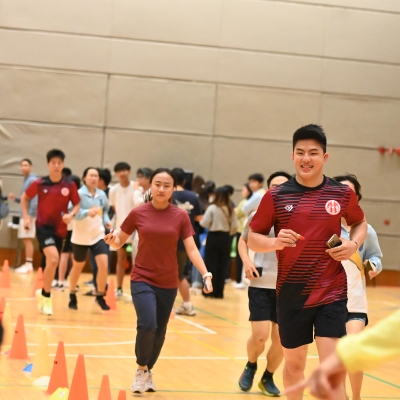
(54,194)
(311,285)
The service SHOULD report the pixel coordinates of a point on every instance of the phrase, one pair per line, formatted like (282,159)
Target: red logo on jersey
(332,207)
(65,191)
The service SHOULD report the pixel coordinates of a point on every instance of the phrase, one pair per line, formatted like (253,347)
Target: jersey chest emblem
(289,208)
(332,207)
(65,191)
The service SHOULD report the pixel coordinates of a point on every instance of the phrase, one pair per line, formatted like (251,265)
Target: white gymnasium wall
(215,86)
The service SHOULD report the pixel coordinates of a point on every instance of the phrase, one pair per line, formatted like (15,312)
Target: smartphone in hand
(334,241)
(260,271)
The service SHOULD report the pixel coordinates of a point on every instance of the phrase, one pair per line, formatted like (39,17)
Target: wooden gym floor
(202,358)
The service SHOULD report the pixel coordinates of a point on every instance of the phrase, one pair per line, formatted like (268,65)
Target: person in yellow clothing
(242,218)
(362,351)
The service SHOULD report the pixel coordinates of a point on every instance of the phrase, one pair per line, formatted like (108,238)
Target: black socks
(251,365)
(45,294)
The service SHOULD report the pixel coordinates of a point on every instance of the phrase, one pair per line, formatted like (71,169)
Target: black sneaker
(73,302)
(246,379)
(102,303)
(267,386)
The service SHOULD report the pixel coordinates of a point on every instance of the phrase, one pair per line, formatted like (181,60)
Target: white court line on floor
(196,325)
(99,328)
(88,344)
(189,358)
(389,303)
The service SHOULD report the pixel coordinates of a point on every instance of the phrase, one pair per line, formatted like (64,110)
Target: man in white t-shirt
(256,183)
(121,199)
(262,305)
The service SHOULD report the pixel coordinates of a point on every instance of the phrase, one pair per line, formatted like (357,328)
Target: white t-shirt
(267,261)
(121,198)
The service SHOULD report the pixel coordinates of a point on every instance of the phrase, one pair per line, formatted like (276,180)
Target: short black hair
(146,172)
(278,173)
(55,153)
(353,179)
(256,177)
(66,171)
(75,179)
(26,160)
(121,166)
(230,189)
(312,131)
(105,175)
(179,176)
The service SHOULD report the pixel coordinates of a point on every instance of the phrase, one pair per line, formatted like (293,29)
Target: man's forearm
(261,243)
(24,205)
(358,233)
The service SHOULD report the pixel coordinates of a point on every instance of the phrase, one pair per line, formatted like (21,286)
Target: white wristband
(207,274)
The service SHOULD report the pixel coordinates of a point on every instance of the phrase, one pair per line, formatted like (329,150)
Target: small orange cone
(7,326)
(59,376)
(105,391)
(122,395)
(38,284)
(42,362)
(2,307)
(19,350)
(78,389)
(110,295)
(5,277)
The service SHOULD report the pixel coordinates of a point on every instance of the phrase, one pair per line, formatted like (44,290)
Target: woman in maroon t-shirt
(154,279)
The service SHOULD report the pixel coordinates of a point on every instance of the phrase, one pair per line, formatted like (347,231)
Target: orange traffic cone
(19,350)
(122,395)
(42,363)
(38,284)
(110,295)
(5,277)
(105,391)
(78,389)
(59,376)
(2,307)
(7,326)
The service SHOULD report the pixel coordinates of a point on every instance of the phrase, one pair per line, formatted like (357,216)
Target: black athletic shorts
(80,251)
(182,262)
(47,237)
(299,327)
(351,316)
(262,304)
(67,244)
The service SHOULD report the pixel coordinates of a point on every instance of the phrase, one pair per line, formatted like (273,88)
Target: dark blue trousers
(153,307)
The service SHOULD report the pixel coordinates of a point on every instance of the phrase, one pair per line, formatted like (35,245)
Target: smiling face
(309,158)
(162,188)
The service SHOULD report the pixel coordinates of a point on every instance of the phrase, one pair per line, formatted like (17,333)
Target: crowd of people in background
(165,218)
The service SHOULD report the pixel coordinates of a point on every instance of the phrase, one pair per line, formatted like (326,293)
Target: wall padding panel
(361,121)
(161,105)
(273,26)
(263,113)
(145,149)
(82,146)
(179,21)
(52,96)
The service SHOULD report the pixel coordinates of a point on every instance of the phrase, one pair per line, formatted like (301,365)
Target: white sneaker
(240,285)
(150,386)
(45,304)
(24,269)
(65,283)
(185,311)
(54,284)
(139,381)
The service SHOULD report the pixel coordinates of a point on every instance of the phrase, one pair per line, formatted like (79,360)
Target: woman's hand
(208,288)
(250,270)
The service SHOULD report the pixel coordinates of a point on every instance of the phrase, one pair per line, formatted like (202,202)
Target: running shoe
(102,303)
(246,379)
(139,381)
(150,386)
(45,304)
(239,285)
(185,311)
(268,387)
(119,294)
(73,302)
(24,269)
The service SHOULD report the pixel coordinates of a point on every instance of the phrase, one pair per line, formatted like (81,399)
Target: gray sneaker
(150,386)
(139,381)
(185,311)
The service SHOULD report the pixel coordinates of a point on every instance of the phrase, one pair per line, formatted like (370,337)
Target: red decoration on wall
(382,150)
(386,222)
